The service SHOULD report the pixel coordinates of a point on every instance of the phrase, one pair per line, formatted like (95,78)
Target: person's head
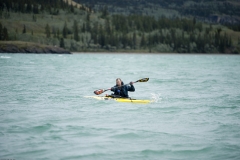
(118,82)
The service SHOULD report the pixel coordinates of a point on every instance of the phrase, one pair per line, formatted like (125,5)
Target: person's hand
(131,83)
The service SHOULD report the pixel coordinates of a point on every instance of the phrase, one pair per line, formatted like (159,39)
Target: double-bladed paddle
(100,91)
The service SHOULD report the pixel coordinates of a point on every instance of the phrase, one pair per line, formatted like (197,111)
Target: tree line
(36,6)
(196,8)
(145,32)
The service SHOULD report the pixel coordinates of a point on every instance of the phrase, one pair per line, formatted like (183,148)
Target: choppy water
(44,115)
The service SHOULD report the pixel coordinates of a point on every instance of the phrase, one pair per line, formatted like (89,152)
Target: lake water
(44,114)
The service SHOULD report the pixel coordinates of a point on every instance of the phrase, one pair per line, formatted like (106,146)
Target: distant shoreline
(29,47)
(155,53)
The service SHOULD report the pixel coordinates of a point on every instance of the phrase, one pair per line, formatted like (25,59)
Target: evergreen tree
(108,27)
(24,29)
(222,44)
(134,41)
(143,41)
(84,28)
(112,40)
(102,40)
(88,17)
(230,42)
(188,47)
(88,27)
(35,9)
(95,38)
(1,31)
(200,43)
(65,30)
(183,35)
(75,31)
(21,7)
(194,21)
(210,26)
(72,8)
(105,12)
(47,31)
(62,45)
(95,29)
(28,8)
(54,32)
(42,8)
(34,18)
(58,34)
(5,34)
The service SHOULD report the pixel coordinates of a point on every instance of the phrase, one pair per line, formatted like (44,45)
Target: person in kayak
(121,90)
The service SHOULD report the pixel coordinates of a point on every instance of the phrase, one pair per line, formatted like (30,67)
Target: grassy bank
(28,47)
(21,44)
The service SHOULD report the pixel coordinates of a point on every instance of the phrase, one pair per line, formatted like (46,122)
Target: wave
(193,151)
(5,57)
(156,97)
(126,135)
(41,128)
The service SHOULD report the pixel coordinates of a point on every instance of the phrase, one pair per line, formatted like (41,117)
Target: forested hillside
(59,23)
(217,11)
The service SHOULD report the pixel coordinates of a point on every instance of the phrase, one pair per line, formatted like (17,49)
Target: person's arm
(131,87)
(113,89)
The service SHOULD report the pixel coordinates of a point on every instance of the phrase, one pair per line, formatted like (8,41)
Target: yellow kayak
(126,100)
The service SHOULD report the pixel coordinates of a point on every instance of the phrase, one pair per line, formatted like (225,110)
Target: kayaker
(121,90)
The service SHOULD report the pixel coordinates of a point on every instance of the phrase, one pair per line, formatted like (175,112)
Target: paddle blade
(99,91)
(143,80)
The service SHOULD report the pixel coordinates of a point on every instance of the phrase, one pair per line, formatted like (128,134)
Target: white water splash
(156,97)
(5,57)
